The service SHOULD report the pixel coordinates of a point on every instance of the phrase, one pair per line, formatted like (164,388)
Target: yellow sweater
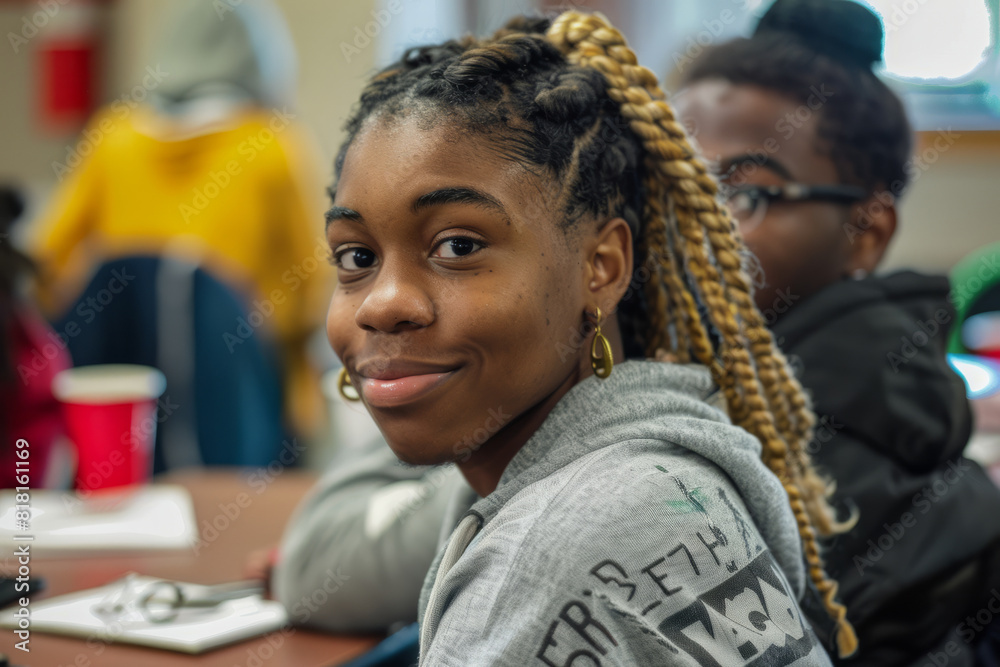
(243,201)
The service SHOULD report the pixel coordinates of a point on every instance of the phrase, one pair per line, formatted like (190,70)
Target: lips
(392,383)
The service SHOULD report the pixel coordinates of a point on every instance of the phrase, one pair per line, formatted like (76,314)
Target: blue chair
(401,649)
(223,403)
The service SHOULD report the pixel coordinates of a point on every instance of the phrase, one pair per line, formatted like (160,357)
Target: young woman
(517,225)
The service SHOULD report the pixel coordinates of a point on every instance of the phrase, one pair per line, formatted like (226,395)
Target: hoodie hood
(887,335)
(647,400)
(620,471)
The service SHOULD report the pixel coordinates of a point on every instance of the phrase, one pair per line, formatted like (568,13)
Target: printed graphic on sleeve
(749,620)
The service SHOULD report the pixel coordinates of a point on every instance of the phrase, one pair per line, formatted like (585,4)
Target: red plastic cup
(111,418)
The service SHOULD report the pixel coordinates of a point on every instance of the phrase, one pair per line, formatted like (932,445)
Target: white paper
(132,518)
(193,631)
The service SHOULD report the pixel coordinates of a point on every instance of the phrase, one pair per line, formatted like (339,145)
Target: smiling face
(458,292)
(802,246)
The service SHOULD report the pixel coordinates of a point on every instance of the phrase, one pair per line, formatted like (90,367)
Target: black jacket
(893,421)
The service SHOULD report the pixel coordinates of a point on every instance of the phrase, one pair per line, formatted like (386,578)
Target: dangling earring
(343,382)
(601,364)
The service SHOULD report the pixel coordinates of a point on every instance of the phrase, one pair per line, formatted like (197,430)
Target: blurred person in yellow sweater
(204,159)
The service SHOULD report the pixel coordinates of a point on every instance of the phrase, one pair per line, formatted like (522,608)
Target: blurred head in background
(797,104)
(28,359)
(13,266)
(221,56)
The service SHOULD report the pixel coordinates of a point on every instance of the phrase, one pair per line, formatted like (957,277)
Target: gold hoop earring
(601,364)
(343,382)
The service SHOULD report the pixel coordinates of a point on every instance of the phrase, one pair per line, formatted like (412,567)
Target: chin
(417,451)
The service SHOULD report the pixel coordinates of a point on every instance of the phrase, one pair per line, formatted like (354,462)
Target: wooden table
(259,524)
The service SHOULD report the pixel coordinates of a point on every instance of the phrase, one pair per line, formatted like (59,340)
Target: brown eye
(354,259)
(458,246)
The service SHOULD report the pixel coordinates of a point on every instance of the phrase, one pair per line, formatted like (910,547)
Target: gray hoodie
(637,526)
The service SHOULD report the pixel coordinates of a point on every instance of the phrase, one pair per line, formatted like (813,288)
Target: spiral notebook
(193,631)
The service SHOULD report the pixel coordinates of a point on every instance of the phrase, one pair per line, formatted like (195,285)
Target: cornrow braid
(763,396)
(570,100)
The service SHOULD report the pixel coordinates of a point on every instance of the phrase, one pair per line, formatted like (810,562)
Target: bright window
(934,39)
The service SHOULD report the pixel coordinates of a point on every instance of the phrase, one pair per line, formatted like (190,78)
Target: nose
(396,302)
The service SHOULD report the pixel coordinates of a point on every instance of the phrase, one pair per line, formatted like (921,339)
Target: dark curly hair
(14,264)
(802,44)
(546,115)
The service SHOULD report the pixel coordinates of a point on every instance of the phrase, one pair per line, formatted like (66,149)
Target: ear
(873,223)
(608,265)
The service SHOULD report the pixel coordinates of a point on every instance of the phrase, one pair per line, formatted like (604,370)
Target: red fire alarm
(69,39)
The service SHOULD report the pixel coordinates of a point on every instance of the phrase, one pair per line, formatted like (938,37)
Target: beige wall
(328,85)
(25,151)
(953,207)
(950,210)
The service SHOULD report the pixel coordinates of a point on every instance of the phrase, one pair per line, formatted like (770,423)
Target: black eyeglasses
(748,203)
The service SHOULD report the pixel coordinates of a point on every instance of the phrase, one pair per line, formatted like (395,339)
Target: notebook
(128,518)
(193,631)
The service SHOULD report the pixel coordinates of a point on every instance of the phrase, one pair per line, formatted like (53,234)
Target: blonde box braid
(761,393)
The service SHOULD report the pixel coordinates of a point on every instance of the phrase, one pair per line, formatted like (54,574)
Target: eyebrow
(761,160)
(460,195)
(342,213)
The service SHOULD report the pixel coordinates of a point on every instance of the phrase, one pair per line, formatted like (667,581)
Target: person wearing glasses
(813,151)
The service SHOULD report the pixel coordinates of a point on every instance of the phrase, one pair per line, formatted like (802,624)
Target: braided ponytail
(683,218)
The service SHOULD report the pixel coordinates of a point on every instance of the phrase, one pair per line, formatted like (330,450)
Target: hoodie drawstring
(460,540)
